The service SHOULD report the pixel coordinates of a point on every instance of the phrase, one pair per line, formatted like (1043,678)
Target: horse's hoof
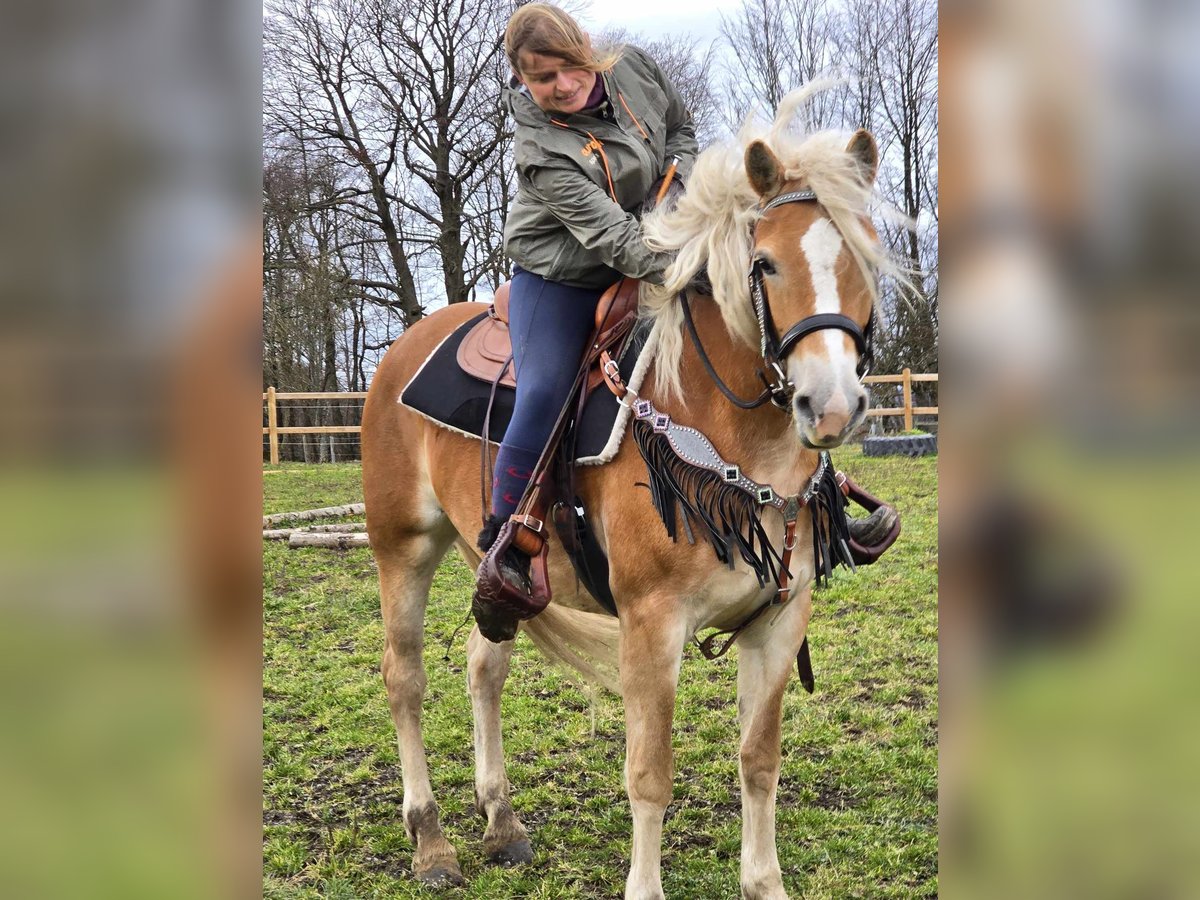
(518,853)
(441,877)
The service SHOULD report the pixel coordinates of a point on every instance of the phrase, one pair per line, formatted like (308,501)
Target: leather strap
(708,366)
(821,322)
(789,544)
(804,667)
(485,453)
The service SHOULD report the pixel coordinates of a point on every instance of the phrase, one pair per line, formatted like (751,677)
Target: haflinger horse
(793,209)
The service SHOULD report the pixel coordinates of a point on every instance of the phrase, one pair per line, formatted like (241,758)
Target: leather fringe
(726,516)
(831,533)
(729,518)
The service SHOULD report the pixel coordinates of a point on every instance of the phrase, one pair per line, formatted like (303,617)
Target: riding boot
(872,529)
(872,535)
(495,624)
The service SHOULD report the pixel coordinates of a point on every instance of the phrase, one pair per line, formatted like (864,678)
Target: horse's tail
(583,641)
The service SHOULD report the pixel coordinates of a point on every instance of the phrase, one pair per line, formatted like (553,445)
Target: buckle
(537,526)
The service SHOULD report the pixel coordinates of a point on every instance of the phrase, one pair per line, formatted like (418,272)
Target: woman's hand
(674,192)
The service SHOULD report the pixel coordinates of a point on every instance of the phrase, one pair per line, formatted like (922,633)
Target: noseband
(774,350)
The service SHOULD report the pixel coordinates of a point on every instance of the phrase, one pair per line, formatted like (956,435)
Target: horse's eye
(765,266)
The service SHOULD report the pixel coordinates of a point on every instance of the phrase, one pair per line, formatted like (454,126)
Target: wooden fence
(272,431)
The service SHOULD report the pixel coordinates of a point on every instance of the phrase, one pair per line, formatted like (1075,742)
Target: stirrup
(499,603)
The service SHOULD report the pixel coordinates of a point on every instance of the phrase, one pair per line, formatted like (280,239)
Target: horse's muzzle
(830,424)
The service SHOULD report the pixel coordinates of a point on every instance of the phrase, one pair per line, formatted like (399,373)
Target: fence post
(272,426)
(908,408)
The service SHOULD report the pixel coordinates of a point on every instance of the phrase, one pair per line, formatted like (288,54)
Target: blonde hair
(548,30)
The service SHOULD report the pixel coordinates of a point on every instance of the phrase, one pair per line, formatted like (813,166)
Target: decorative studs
(766,495)
(643,408)
(731,473)
(661,422)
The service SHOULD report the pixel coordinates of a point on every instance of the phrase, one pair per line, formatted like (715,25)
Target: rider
(596,134)
(596,131)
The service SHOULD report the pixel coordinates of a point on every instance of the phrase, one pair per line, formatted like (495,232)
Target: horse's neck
(762,441)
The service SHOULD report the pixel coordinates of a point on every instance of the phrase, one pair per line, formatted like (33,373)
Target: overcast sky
(655,18)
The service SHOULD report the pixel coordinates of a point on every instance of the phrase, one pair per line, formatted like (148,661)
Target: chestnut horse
(818,255)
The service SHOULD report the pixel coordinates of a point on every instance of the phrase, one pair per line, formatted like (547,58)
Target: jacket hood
(524,111)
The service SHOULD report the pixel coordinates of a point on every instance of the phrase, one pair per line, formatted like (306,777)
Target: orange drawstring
(621,97)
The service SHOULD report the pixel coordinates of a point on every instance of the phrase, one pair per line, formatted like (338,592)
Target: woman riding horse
(597,135)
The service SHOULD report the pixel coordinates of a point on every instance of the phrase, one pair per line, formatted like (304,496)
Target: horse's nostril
(862,405)
(804,406)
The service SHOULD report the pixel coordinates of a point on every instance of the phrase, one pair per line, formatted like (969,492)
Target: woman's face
(553,85)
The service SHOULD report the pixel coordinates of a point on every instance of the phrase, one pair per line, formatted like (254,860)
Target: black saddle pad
(443,392)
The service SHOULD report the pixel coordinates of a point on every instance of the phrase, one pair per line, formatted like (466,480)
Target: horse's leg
(766,654)
(505,841)
(651,649)
(405,574)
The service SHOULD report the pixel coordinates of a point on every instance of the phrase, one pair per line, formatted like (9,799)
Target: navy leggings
(550,324)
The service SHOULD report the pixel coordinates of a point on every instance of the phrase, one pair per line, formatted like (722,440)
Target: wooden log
(317,429)
(336,541)
(305,515)
(282,534)
(319,395)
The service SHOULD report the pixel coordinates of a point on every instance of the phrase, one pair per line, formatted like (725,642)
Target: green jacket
(575,219)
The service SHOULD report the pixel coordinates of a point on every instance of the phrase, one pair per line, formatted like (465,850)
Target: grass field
(857,798)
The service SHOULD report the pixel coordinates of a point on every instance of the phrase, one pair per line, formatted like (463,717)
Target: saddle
(485,351)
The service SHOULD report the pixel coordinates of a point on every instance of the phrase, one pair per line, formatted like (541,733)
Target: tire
(901,445)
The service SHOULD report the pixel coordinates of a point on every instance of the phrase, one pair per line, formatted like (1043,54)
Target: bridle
(774,350)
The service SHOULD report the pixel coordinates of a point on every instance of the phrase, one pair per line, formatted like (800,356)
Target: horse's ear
(866,152)
(764,169)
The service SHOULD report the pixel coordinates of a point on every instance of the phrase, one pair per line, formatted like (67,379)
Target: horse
(794,209)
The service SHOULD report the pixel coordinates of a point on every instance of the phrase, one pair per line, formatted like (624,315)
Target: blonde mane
(712,224)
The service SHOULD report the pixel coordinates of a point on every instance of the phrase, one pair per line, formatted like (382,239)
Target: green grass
(857,798)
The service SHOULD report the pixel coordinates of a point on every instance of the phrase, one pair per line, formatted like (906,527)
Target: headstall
(773,349)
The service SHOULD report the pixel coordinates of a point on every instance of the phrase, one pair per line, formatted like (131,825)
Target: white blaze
(822,245)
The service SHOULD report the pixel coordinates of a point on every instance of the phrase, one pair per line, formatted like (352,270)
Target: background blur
(129,547)
(1068,477)
(131,290)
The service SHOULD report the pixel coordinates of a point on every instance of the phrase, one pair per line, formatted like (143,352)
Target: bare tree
(776,46)
(315,94)
(900,39)
(437,67)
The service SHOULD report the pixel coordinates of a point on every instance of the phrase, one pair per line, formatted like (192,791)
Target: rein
(708,366)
